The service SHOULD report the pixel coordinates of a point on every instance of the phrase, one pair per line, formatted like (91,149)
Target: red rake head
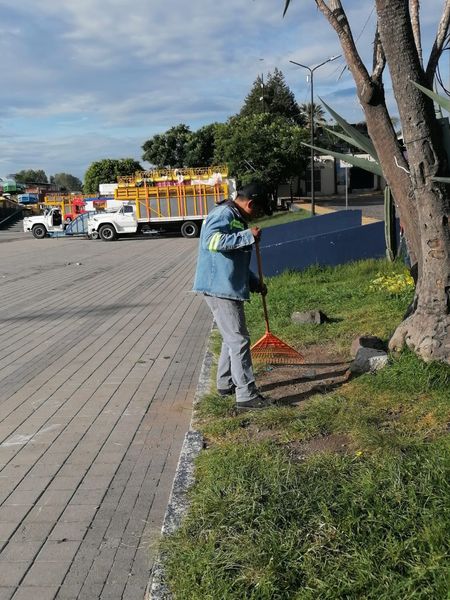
(270,349)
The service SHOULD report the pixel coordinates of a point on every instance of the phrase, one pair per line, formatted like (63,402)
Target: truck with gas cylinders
(168,200)
(70,206)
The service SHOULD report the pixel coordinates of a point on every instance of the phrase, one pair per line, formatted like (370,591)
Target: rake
(270,349)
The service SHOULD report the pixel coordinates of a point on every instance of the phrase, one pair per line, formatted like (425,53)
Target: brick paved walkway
(100,349)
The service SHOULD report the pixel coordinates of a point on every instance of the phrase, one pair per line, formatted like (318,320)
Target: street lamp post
(262,99)
(311,123)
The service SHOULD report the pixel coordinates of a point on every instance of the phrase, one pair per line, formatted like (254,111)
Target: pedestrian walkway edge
(184,478)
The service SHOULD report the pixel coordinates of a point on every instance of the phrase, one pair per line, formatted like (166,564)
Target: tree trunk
(427,330)
(381,131)
(380,128)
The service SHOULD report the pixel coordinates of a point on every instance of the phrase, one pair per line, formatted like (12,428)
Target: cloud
(69,154)
(97,76)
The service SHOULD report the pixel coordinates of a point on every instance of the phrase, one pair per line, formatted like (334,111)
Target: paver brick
(91,591)
(20,551)
(11,573)
(79,513)
(69,532)
(43,593)
(6,530)
(32,531)
(52,573)
(106,401)
(14,512)
(58,551)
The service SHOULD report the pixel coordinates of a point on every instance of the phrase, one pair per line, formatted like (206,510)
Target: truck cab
(73,209)
(110,225)
(41,225)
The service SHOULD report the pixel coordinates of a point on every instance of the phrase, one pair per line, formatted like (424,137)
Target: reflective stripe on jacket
(225,248)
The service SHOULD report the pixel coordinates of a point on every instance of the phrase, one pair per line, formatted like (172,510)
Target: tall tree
(200,147)
(168,149)
(107,171)
(31,176)
(67,182)
(264,147)
(423,204)
(318,114)
(272,96)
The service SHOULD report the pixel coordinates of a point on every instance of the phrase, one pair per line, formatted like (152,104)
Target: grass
(343,294)
(279,218)
(331,527)
(269,521)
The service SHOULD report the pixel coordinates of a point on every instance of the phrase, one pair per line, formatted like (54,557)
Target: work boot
(226,392)
(259,402)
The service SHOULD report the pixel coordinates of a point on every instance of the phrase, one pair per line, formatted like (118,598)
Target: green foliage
(107,171)
(28,176)
(442,101)
(200,147)
(271,143)
(273,97)
(354,136)
(168,149)
(67,182)
(318,114)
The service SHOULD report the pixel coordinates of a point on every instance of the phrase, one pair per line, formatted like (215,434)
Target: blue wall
(313,226)
(347,242)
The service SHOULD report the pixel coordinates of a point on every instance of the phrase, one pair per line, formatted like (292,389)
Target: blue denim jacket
(225,249)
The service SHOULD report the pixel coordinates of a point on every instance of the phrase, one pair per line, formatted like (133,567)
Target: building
(330,179)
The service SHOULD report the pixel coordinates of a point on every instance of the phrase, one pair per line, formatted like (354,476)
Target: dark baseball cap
(258,193)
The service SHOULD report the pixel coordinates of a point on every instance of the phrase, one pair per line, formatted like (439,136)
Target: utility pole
(311,121)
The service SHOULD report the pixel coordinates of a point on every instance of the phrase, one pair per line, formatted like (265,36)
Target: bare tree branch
(414,9)
(439,42)
(335,15)
(379,59)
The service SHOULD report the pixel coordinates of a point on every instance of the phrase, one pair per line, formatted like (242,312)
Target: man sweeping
(224,277)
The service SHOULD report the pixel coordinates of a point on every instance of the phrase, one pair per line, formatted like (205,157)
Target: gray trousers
(235,361)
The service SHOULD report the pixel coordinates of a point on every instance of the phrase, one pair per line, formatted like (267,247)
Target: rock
(378,362)
(309,316)
(367,341)
(368,359)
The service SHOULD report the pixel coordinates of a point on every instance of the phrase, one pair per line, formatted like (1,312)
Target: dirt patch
(293,384)
(334,443)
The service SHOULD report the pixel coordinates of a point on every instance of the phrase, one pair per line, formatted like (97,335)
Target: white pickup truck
(111,225)
(51,224)
(41,225)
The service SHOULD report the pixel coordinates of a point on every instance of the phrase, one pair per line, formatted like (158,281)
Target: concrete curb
(184,478)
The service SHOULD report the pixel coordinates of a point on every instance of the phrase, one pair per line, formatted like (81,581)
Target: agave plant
(357,139)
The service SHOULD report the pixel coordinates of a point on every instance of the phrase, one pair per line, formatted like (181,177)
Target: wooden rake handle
(261,283)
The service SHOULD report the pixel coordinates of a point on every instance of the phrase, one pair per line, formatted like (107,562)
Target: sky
(84,80)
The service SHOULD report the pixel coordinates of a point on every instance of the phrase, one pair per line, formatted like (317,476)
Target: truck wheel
(107,233)
(189,229)
(39,232)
